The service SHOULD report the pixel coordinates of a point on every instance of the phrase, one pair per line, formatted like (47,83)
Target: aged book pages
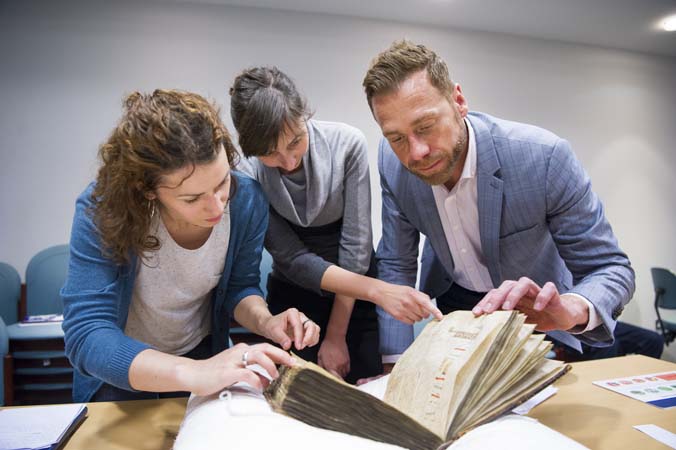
(310,394)
(459,373)
(435,374)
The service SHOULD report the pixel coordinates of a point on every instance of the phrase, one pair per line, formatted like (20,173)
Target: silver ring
(245,358)
(306,321)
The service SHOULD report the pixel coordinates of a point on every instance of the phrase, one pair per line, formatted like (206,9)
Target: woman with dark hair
(316,177)
(165,247)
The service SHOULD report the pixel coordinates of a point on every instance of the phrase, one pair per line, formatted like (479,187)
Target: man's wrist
(585,316)
(581,312)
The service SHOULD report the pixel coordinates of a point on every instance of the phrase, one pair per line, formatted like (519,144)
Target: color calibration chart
(658,389)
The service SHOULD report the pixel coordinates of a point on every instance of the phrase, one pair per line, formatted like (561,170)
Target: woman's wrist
(374,291)
(335,332)
(263,325)
(252,313)
(154,371)
(339,320)
(185,374)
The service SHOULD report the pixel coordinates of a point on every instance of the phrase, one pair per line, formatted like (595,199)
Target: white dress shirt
(459,216)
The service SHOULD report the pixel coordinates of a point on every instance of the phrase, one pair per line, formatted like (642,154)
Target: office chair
(40,371)
(45,275)
(664,282)
(10,293)
(266,268)
(4,349)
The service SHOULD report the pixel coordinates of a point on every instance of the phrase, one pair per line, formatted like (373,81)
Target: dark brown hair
(404,58)
(264,103)
(158,134)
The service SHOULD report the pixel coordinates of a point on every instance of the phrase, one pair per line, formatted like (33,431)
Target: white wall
(64,68)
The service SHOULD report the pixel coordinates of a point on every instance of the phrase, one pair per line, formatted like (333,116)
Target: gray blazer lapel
(489,198)
(430,223)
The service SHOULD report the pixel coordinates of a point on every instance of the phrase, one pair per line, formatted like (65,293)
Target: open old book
(459,373)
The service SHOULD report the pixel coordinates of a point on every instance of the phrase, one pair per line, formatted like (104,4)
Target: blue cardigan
(98,292)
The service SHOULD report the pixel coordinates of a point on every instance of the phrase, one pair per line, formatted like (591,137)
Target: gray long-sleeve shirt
(337,186)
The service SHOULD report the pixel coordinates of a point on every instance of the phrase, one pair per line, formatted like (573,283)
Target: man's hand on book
(544,306)
(405,303)
(561,313)
(334,356)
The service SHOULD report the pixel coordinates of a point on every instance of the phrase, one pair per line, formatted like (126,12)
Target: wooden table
(137,424)
(602,419)
(593,416)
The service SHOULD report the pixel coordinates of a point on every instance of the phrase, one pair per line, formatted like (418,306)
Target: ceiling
(622,24)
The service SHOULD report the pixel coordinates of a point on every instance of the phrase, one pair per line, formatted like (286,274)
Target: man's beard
(448,164)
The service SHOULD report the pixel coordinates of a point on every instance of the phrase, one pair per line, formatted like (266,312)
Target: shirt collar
(469,169)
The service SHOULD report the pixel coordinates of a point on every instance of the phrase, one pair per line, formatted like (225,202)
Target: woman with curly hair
(316,176)
(165,247)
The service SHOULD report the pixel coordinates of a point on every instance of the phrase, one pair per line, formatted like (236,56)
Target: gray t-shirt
(171,303)
(337,187)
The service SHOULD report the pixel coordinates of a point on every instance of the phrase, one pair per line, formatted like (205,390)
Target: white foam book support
(247,420)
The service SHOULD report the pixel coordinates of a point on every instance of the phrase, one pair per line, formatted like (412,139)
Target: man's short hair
(404,58)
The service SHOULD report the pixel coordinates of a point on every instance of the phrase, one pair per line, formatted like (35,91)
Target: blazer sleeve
(601,271)
(397,259)
(94,342)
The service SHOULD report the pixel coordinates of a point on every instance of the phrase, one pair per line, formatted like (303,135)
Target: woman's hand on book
(291,326)
(334,356)
(204,377)
(544,306)
(405,303)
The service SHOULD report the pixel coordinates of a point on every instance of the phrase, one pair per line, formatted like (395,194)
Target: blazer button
(220,292)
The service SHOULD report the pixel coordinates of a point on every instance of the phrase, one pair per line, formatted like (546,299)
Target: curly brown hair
(158,134)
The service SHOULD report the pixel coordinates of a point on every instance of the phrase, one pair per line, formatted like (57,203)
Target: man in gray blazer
(508,212)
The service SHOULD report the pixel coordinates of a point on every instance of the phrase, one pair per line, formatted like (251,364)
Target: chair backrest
(4,349)
(45,275)
(266,268)
(10,293)
(665,280)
